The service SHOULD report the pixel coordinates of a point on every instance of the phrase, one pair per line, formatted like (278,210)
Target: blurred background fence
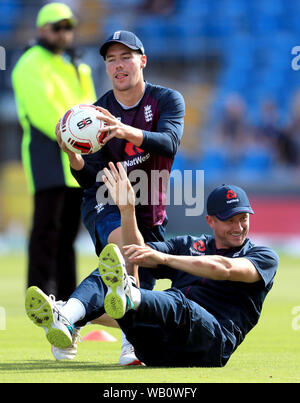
(231,59)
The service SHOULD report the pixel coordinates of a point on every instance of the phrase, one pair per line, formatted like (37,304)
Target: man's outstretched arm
(213,267)
(121,191)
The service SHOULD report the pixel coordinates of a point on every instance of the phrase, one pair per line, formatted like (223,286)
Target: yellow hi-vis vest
(46,85)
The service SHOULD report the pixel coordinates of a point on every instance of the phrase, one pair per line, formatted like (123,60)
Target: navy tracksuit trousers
(167,329)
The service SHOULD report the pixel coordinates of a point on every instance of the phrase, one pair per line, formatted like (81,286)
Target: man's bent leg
(90,293)
(168,329)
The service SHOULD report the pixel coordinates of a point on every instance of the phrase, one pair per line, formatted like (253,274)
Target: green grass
(270,352)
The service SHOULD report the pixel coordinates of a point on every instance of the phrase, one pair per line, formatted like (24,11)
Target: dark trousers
(51,255)
(167,329)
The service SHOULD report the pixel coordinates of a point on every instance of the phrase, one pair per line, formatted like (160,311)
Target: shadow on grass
(49,365)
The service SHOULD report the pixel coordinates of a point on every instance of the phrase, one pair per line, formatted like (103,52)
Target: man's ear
(143,61)
(210,221)
(41,32)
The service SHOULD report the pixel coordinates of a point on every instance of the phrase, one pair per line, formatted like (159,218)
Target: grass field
(270,353)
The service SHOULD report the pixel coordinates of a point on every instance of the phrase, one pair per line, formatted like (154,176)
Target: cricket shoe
(118,299)
(128,356)
(68,353)
(45,312)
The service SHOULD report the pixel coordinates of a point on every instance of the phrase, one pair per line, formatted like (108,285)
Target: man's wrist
(127,209)
(135,136)
(76,162)
(165,259)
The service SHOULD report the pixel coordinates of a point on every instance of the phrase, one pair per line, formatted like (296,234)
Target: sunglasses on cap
(62,27)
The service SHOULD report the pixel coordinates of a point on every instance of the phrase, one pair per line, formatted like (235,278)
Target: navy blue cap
(127,38)
(228,200)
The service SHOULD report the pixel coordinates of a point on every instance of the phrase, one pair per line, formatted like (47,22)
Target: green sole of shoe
(39,311)
(37,307)
(111,270)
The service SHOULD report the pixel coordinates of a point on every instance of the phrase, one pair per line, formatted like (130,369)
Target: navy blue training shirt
(160,114)
(236,305)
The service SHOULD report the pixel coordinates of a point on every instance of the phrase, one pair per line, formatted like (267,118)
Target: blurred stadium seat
(10,11)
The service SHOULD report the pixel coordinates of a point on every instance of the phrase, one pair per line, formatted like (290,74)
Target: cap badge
(231,195)
(116,35)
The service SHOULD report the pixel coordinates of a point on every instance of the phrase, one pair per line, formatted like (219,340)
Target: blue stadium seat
(214,162)
(10,11)
(255,161)
(154,33)
(113,23)
(191,8)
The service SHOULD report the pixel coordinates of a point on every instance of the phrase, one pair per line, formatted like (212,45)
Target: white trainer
(128,356)
(45,312)
(68,353)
